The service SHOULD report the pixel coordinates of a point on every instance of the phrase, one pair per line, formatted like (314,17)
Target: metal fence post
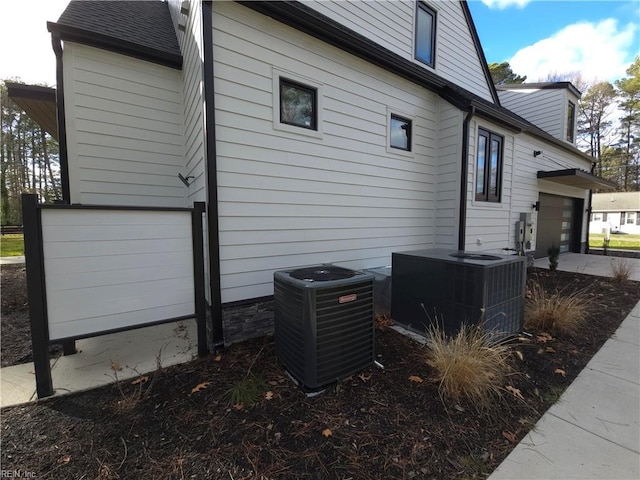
(34,258)
(198,276)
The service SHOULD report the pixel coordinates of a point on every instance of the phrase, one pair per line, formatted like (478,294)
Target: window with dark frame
(489,167)
(298,104)
(425,35)
(571,121)
(400,133)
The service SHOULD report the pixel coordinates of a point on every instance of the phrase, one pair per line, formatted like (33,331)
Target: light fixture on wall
(185,180)
(184,7)
(536,206)
(537,152)
(182,24)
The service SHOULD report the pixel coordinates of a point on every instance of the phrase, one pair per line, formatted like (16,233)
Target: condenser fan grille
(323,273)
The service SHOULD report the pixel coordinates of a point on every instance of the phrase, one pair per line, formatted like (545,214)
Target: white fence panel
(107,270)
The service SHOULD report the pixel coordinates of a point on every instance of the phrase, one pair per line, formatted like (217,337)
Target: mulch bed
(179,422)
(15,341)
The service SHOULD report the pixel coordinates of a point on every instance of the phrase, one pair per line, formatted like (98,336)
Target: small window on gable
(298,104)
(489,167)
(400,133)
(571,121)
(425,34)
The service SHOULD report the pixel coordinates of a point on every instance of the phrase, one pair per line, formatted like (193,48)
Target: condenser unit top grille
(474,256)
(322,273)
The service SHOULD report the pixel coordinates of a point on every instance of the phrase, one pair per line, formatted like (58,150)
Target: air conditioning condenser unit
(324,323)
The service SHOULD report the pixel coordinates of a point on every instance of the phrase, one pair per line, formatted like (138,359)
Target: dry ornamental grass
(556,312)
(466,365)
(621,270)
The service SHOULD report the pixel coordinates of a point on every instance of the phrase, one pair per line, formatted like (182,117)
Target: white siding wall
(391,25)
(290,199)
(457,59)
(124,129)
(448,176)
(190,42)
(546,109)
(488,223)
(113,269)
(494,224)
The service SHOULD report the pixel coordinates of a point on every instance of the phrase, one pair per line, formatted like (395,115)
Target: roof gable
(479,51)
(141,28)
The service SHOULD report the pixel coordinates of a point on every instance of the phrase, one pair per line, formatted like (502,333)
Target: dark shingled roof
(141,28)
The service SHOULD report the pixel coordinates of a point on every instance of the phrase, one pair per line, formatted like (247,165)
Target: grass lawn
(620,241)
(11,245)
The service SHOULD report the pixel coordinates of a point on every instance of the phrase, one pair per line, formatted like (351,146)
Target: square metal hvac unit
(324,323)
(452,287)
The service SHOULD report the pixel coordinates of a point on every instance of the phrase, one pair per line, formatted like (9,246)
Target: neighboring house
(316,131)
(618,211)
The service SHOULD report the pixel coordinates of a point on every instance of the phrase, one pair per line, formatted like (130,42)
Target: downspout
(462,225)
(62,123)
(212,176)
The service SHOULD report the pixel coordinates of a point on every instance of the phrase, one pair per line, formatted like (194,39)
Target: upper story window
(298,105)
(425,34)
(489,167)
(571,122)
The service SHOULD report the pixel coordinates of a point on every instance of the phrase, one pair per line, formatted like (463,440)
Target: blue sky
(598,38)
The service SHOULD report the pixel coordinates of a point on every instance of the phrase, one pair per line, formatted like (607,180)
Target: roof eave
(106,42)
(38,102)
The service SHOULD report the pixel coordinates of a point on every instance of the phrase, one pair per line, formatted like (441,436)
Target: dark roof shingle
(141,26)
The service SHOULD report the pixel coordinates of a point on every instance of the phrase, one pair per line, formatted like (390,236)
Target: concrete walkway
(593,431)
(99,359)
(11,260)
(592,264)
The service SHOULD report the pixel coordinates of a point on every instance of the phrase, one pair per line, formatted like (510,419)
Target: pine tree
(628,89)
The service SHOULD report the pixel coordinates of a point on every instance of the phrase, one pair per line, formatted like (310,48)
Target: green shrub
(554,253)
(247,391)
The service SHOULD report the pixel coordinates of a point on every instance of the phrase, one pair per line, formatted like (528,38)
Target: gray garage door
(559,222)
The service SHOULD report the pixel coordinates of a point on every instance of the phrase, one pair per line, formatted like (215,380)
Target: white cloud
(26,44)
(502,4)
(598,51)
